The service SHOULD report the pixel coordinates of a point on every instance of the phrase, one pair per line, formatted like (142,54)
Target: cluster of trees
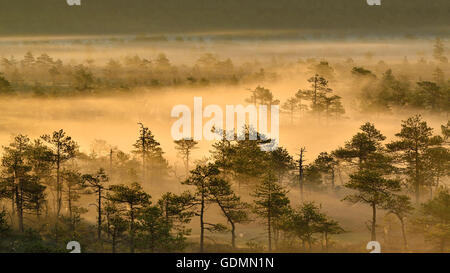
(389,91)
(45,187)
(43,75)
(321,100)
(239,167)
(270,204)
(317,101)
(373,93)
(385,174)
(47,183)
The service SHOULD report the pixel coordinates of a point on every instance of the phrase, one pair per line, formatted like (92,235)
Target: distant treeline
(422,85)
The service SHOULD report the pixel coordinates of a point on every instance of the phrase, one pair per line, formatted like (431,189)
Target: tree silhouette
(400,206)
(63,148)
(434,220)
(116,224)
(185,147)
(150,151)
(5,86)
(439,51)
(415,139)
(135,200)
(363,147)
(96,183)
(372,189)
(230,204)
(270,202)
(202,177)
(17,174)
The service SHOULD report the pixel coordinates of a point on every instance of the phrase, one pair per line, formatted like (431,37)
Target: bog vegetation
(52,193)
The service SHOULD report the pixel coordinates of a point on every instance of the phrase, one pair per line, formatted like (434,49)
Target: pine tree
(292,106)
(17,174)
(439,51)
(116,224)
(235,210)
(202,177)
(96,184)
(270,203)
(363,147)
(150,151)
(73,182)
(327,164)
(155,232)
(400,206)
(415,139)
(178,210)
(63,148)
(185,147)
(434,220)
(329,227)
(371,189)
(135,200)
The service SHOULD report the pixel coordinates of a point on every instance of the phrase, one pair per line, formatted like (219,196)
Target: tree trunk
(315,93)
(131,229)
(332,178)
(374,221)
(19,200)
(405,242)
(233,235)
(99,224)
(416,178)
(58,184)
(300,165)
(437,183)
(13,200)
(19,205)
(275,237)
(69,199)
(269,219)
(202,224)
(114,242)
(269,231)
(110,162)
(143,166)
(187,162)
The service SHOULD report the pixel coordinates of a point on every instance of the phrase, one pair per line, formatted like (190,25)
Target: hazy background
(319,18)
